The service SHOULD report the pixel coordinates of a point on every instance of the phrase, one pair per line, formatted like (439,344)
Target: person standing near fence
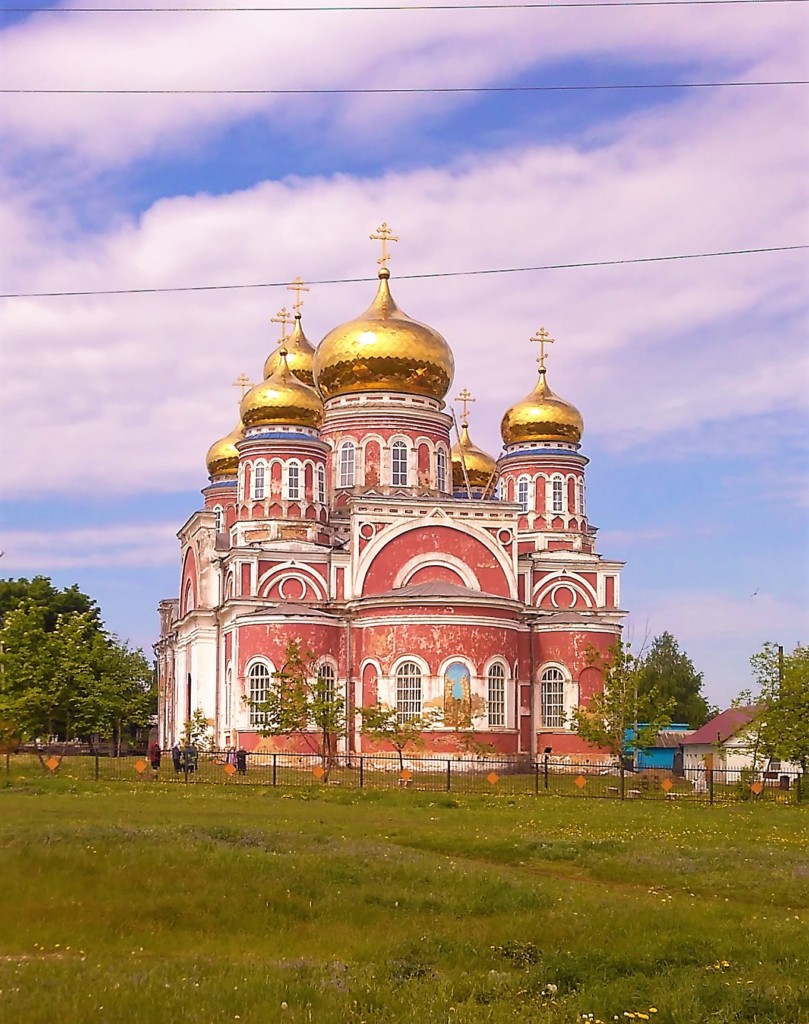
(176,759)
(241,761)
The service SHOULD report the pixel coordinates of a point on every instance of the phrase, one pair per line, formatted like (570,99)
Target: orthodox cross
(542,338)
(297,286)
(283,318)
(465,397)
(384,235)
(243,382)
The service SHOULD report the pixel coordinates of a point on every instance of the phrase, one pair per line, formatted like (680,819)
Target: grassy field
(143,903)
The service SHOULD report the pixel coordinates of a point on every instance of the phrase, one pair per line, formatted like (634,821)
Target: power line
(387,8)
(404,277)
(415,90)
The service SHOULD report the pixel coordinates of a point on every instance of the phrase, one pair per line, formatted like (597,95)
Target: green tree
(783,698)
(300,701)
(41,592)
(197,731)
(621,707)
(667,670)
(384,723)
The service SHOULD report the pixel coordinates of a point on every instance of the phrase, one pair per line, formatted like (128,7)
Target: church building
(338,513)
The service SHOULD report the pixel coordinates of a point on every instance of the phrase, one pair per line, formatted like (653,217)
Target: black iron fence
(427,773)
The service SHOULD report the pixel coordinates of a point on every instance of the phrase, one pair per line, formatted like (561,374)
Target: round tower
(383,378)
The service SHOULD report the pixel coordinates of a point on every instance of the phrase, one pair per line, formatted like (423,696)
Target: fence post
(710,785)
(274,769)
(95,768)
(362,771)
(798,780)
(623,781)
(449,775)
(8,762)
(536,778)
(547,759)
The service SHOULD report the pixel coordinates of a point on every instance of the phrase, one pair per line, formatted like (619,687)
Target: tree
(384,723)
(783,699)
(62,674)
(197,731)
(671,673)
(621,708)
(303,702)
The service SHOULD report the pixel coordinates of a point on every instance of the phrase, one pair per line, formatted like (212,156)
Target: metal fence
(507,776)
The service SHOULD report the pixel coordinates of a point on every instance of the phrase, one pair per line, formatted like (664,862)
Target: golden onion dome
(282,399)
(384,350)
(223,456)
(300,355)
(542,416)
(480,466)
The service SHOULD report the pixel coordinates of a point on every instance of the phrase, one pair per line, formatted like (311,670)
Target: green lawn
(144,903)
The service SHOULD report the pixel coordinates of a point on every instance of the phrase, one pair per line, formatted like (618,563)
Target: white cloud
(105,546)
(337,50)
(124,394)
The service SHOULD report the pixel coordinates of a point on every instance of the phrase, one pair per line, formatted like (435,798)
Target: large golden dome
(282,399)
(384,350)
(300,355)
(542,416)
(223,455)
(480,466)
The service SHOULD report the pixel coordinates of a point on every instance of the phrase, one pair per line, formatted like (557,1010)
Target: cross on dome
(542,338)
(384,234)
(243,382)
(283,318)
(465,398)
(297,286)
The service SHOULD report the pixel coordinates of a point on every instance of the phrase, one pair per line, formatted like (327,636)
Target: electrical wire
(408,91)
(405,277)
(386,8)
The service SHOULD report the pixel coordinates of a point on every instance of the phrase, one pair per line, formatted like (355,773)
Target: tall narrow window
(259,688)
(398,464)
(326,682)
(294,481)
(218,518)
(523,490)
(557,494)
(497,695)
(552,695)
(321,485)
(580,496)
(441,469)
(348,461)
(408,691)
(258,481)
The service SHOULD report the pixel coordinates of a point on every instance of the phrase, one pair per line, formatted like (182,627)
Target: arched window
(557,494)
(218,518)
(258,481)
(348,462)
(293,482)
(321,485)
(259,689)
(497,695)
(398,464)
(408,691)
(523,491)
(552,695)
(441,469)
(326,681)
(580,496)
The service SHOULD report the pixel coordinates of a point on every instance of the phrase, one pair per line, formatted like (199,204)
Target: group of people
(185,759)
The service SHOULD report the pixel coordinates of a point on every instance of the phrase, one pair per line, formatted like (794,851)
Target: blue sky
(691,376)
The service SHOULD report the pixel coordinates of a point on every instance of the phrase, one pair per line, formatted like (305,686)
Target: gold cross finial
(542,338)
(465,397)
(243,382)
(283,318)
(384,235)
(297,286)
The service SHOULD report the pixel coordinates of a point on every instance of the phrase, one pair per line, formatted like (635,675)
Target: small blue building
(667,752)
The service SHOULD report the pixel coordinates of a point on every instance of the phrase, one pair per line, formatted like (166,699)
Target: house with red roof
(730,742)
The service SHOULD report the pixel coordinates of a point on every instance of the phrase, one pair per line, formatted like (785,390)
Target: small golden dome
(480,466)
(282,399)
(384,350)
(542,416)
(223,456)
(300,354)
